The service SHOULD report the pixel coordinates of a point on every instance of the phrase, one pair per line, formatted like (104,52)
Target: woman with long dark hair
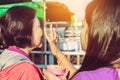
(100,38)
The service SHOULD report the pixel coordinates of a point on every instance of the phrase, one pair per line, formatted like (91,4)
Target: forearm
(62,59)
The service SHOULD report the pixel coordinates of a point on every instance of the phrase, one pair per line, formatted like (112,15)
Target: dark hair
(103,48)
(16,26)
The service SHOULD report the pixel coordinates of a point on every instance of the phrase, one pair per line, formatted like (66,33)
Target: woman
(21,32)
(100,37)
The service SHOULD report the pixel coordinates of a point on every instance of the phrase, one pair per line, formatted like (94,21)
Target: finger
(51,31)
(50,76)
(66,73)
(44,72)
(55,34)
(54,31)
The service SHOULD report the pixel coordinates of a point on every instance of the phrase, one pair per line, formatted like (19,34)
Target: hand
(52,37)
(50,76)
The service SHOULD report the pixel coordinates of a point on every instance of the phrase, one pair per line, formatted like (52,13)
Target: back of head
(16,26)
(103,36)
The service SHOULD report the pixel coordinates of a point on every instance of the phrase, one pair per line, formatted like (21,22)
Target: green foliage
(35,5)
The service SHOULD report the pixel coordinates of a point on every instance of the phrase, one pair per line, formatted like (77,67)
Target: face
(84,35)
(37,34)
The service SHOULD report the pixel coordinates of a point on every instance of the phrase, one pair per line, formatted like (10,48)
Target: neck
(26,50)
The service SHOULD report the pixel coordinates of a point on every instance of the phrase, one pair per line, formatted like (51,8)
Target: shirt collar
(16,49)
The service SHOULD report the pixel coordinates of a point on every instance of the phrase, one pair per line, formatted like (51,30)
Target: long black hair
(103,48)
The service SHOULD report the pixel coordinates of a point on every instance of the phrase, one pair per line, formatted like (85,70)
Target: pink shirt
(21,70)
(104,73)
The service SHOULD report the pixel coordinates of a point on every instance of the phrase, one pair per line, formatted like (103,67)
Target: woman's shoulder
(27,66)
(98,74)
(22,66)
(23,69)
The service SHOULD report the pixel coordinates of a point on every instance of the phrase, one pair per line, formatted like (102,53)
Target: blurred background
(66,16)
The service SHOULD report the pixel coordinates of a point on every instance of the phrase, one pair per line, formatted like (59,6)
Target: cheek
(37,38)
(83,40)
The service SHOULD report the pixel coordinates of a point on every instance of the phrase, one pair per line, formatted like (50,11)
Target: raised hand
(52,37)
